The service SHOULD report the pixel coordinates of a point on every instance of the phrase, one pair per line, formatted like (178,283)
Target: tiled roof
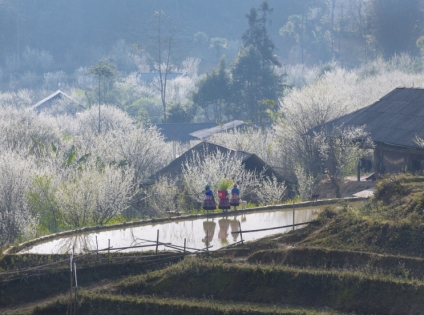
(251,161)
(181,131)
(395,119)
(206,133)
(44,102)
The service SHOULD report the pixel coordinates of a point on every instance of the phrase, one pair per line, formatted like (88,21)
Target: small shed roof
(208,132)
(46,102)
(251,161)
(395,119)
(181,131)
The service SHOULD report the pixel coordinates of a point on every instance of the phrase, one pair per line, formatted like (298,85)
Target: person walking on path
(209,202)
(224,202)
(235,199)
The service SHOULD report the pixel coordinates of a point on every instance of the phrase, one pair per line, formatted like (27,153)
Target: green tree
(295,30)
(257,35)
(179,113)
(253,77)
(395,24)
(219,44)
(215,90)
(42,203)
(253,83)
(420,44)
(101,71)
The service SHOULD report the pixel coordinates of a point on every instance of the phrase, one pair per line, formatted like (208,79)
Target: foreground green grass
(341,290)
(347,260)
(366,259)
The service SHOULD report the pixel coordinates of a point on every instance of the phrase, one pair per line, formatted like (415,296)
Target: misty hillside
(78,33)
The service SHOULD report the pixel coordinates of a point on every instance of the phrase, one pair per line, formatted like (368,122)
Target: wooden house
(393,124)
(47,102)
(180,132)
(186,132)
(250,161)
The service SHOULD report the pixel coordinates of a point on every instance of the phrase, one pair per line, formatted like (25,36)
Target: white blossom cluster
(215,166)
(58,171)
(319,97)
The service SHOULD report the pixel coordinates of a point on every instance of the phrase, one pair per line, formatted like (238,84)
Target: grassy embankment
(367,260)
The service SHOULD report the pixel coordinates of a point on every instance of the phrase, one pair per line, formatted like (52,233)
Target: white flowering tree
(162,196)
(263,143)
(115,192)
(305,182)
(23,132)
(212,168)
(16,218)
(340,150)
(76,198)
(270,191)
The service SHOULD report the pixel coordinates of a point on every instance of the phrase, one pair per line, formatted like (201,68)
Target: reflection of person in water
(209,228)
(224,224)
(234,228)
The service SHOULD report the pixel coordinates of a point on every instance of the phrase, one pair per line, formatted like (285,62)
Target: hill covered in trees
(78,33)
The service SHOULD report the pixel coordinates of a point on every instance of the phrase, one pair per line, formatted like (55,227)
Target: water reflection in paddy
(215,231)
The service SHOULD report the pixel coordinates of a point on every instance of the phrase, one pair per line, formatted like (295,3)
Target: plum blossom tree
(262,142)
(115,192)
(212,168)
(76,197)
(340,149)
(22,131)
(163,195)
(16,220)
(270,191)
(305,182)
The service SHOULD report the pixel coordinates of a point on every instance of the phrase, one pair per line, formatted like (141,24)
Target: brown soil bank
(343,291)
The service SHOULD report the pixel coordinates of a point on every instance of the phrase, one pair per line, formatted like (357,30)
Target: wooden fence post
(71,304)
(241,234)
(97,249)
(157,242)
(76,289)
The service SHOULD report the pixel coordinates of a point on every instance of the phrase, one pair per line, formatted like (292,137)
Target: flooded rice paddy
(216,232)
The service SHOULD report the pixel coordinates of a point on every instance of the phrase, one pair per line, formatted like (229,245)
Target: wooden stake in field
(97,249)
(157,243)
(76,289)
(70,309)
(241,233)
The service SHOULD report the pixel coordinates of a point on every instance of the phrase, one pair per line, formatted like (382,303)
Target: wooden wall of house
(390,159)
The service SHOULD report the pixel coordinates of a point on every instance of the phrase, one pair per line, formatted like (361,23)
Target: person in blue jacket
(209,202)
(235,199)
